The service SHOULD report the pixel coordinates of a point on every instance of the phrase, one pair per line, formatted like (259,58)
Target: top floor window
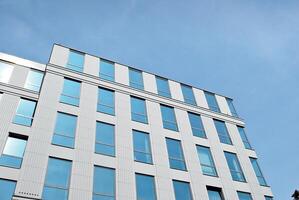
(212,102)
(25,112)
(231,107)
(188,94)
(163,87)
(34,80)
(75,61)
(136,79)
(107,70)
(5,72)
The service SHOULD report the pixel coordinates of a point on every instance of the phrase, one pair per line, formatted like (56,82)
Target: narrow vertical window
(175,154)
(206,161)
(70,92)
(142,147)
(57,181)
(65,129)
(107,70)
(163,87)
(234,167)
(7,189)
(212,102)
(25,112)
(34,80)
(12,155)
(138,110)
(105,139)
(244,137)
(145,187)
(5,72)
(231,107)
(196,125)
(75,61)
(168,117)
(214,193)
(106,101)
(258,172)
(222,132)
(244,196)
(188,94)
(136,79)
(182,190)
(103,183)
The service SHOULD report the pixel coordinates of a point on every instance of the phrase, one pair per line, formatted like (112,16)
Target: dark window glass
(222,132)
(234,167)
(188,94)
(175,154)
(182,190)
(5,72)
(268,198)
(214,193)
(25,112)
(138,110)
(7,189)
(168,117)
(75,61)
(34,80)
(231,107)
(196,125)
(70,92)
(142,147)
(136,79)
(106,101)
(163,87)
(206,161)
(244,137)
(258,172)
(106,70)
(105,139)
(103,183)
(145,187)
(244,196)
(212,102)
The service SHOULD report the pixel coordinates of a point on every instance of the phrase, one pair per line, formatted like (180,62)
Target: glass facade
(107,70)
(138,110)
(206,161)
(182,190)
(258,172)
(244,137)
(145,187)
(222,132)
(106,101)
(65,130)
(244,196)
(188,94)
(136,79)
(175,154)
(103,183)
(168,117)
(212,102)
(105,139)
(163,87)
(142,147)
(7,189)
(234,167)
(75,61)
(34,80)
(70,92)
(196,125)
(231,107)
(5,72)
(25,112)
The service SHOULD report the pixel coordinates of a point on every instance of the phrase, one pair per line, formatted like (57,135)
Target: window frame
(244,193)
(70,96)
(215,189)
(24,116)
(153,185)
(99,104)
(199,129)
(241,172)
(174,123)
(262,182)
(11,182)
(182,182)
(114,182)
(244,138)
(104,76)
(102,143)
(211,160)
(71,66)
(221,136)
(186,91)
(215,107)
(231,107)
(139,86)
(143,115)
(27,82)
(134,132)
(181,160)
(160,92)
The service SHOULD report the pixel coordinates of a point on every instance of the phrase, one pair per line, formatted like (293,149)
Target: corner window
(75,61)
(138,110)
(106,101)
(103,183)
(231,107)
(244,137)
(212,102)
(188,94)
(12,155)
(168,117)
(234,167)
(105,139)
(7,189)
(222,132)
(258,172)
(106,70)
(206,161)
(214,193)
(142,147)
(175,154)
(182,190)
(196,125)
(145,187)
(71,92)
(34,80)
(163,87)
(5,72)
(244,196)
(136,79)
(25,112)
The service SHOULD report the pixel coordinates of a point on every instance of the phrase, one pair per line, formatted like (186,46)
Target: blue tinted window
(105,139)
(5,72)
(222,132)
(234,167)
(136,80)
(244,196)
(106,70)
(212,102)
(138,110)
(65,129)
(196,125)
(268,198)
(206,161)
(25,112)
(106,101)
(7,189)
(244,138)
(12,155)
(163,87)
(57,179)
(258,172)
(103,184)
(231,107)
(214,194)
(175,154)
(76,61)
(142,147)
(168,117)
(145,187)
(70,92)
(182,190)
(34,80)
(188,94)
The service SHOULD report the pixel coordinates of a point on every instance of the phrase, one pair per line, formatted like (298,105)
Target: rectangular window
(196,125)
(5,72)
(142,147)
(182,190)
(244,196)
(34,80)
(65,129)
(234,167)
(258,172)
(268,198)
(7,189)
(136,79)
(188,94)
(214,193)
(212,102)
(25,112)
(145,187)
(12,155)
(163,87)
(222,132)
(57,179)
(106,101)
(106,70)
(138,110)
(105,139)
(206,161)
(75,61)
(231,107)
(175,154)
(103,183)
(244,137)
(70,92)
(168,117)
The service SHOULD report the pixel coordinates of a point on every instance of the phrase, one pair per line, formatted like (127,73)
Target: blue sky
(248,50)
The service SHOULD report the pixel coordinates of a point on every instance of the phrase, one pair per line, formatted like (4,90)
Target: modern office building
(86,128)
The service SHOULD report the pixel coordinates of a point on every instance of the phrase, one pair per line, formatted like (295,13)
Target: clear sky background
(248,50)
